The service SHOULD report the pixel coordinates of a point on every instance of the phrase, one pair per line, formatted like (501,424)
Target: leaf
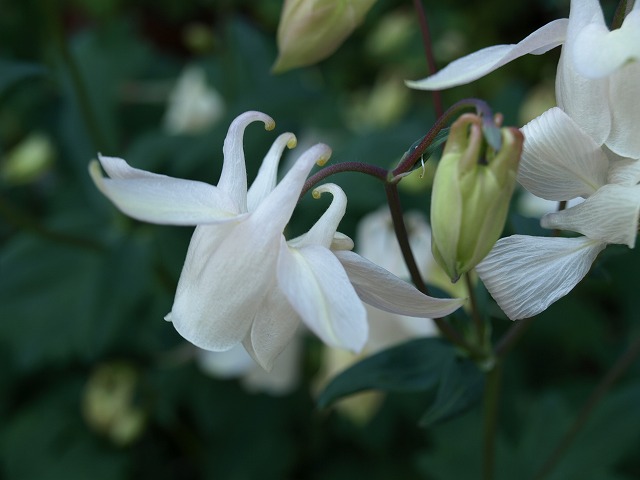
(411,367)
(12,73)
(461,388)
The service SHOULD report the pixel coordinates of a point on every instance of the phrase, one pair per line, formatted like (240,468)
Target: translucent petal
(233,178)
(609,215)
(229,364)
(223,283)
(318,288)
(274,326)
(482,62)
(598,52)
(560,161)
(268,174)
(624,91)
(623,171)
(527,274)
(385,291)
(160,199)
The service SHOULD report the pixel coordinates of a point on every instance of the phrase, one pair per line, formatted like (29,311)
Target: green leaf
(460,389)
(12,73)
(414,366)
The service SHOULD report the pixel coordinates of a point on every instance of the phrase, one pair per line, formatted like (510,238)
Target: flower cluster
(242,281)
(586,147)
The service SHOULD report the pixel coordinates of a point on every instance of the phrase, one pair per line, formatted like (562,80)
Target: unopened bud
(471,193)
(311,30)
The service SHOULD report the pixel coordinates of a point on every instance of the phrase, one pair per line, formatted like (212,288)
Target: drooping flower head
(241,280)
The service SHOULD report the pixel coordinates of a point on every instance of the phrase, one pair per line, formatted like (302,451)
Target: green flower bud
(471,193)
(311,30)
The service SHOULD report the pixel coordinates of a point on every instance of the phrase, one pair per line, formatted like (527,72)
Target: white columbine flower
(598,78)
(561,162)
(242,281)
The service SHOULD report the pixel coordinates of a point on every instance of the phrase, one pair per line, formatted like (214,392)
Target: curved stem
(507,342)
(621,365)
(373,170)
(475,311)
(445,328)
(407,163)
(426,41)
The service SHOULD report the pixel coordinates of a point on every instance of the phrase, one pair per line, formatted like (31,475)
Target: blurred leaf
(461,388)
(12,73)
(414,366)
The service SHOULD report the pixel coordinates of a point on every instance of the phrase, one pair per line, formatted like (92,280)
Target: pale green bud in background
(311,30)
(471,193)
(28,160)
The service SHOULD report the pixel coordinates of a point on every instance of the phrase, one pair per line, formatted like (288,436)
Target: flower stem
(407,163)
(56,33)
(508,341)
(475,311)
(616,371)
(428,50)
(491,396)
(373,170)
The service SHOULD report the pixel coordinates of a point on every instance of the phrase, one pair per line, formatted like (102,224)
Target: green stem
(56,33)
(508,341)
(428,50)
(616,371)
(475,311)
(491,396)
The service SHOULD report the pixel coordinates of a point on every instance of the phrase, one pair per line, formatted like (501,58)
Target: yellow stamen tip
(292,142)
(316,194)
(270,125)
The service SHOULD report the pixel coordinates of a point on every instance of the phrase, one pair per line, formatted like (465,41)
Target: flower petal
(623,171)
(267,175)
(278,206)
(385,291)
(599,52)
(233,178)
(317,287)
(223,283)
(229,364)
(609,215)
(482,62)
(560,161)
(160,199)
(324,230)
(527,274)
(273,328)
(624,91)
(585,100)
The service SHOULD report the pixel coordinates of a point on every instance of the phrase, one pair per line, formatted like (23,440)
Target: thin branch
(428,50)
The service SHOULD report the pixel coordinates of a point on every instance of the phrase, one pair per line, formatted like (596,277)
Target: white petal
(276,209)
(585,100)
(599,52)
(233,178)
(482,62)
(560,161)
(274,326)
(609,215)
(267,175)
(623,171)
(385,291)
(527,274)
(160,199)
(324,230)
(223,282)
(624,91)
(284,376)
(317,287)
(229,364)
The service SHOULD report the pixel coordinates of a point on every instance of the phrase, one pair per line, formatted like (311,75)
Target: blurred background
(94,384)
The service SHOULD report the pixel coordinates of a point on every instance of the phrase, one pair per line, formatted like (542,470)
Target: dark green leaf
(413,366)
(12,73)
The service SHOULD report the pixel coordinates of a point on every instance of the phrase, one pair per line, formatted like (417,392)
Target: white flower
(242,281)
(561,162)
(598,78)
(193,106)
